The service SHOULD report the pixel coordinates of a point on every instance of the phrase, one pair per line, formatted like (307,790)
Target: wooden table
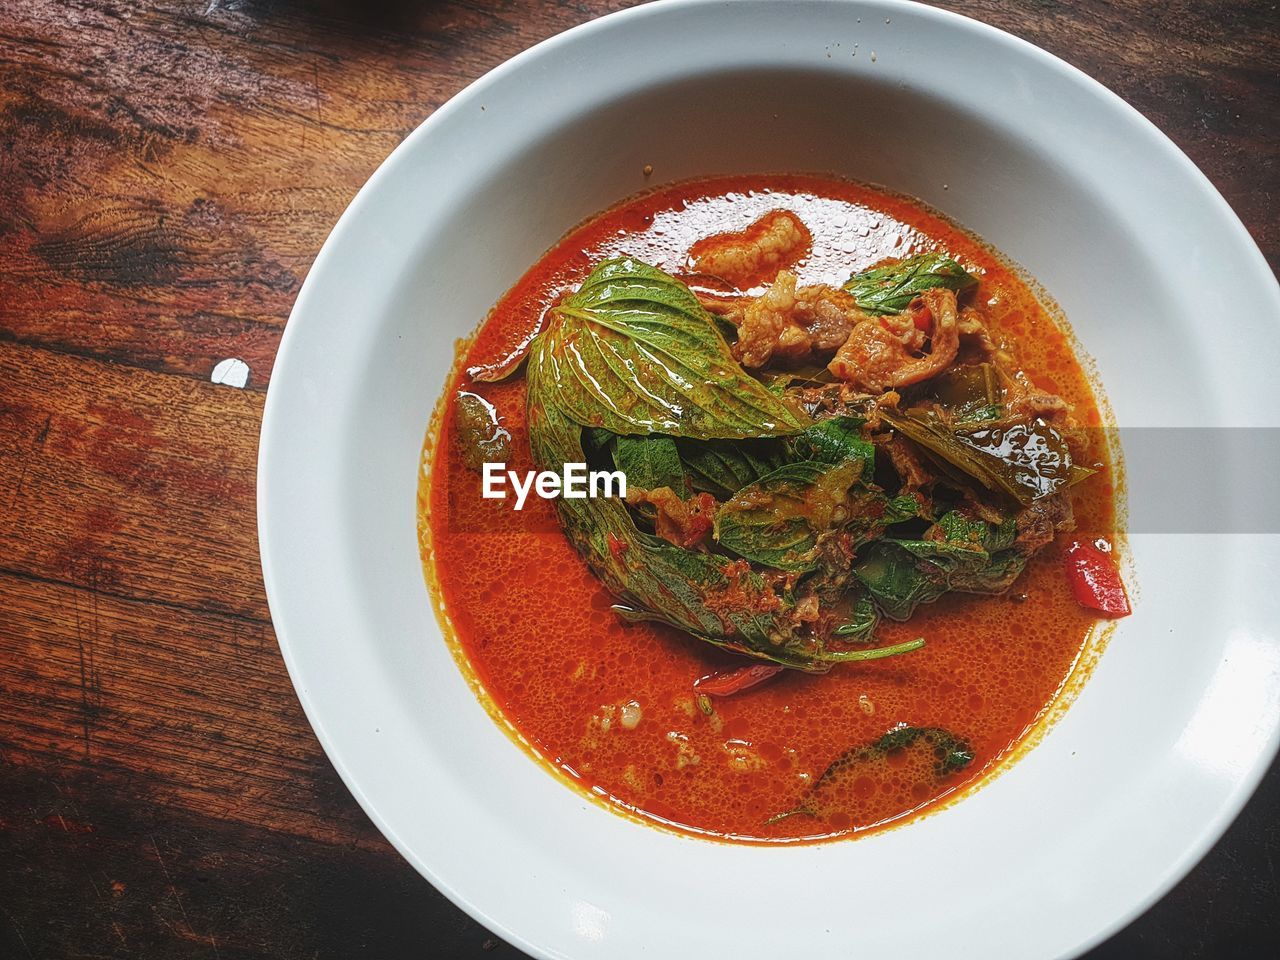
(167,174)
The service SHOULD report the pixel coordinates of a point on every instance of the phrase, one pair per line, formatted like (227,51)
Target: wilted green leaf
(892,287)
(634,352)
(1022,458)
(944,753)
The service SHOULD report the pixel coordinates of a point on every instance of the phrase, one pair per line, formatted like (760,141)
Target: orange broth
(534,625)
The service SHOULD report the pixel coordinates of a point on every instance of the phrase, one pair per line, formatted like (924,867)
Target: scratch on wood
(87,635)
(315,86)
(67,794)
(96,634)
(18,930)
(186,920)
(167,879)
(84,676)
(36,445)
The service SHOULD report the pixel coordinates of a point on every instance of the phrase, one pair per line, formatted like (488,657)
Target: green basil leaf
(810,659)
(634,352)
(595,440)
(961,529)
(723,467)
(650,462)
(780,520)
(722,601)
(972,393)
(995,576)
(892,287)
(656,580)
(777,520)
(951,753)
(1028,455)
(640,568)
(718,467)
(1022,458)
(974,557)
(963,569)
(939,751)
(895,581)
(946,556)
(479,430)
(900,508)
(834,440)
(862,622)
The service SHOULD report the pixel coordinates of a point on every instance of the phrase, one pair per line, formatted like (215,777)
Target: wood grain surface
(168,172)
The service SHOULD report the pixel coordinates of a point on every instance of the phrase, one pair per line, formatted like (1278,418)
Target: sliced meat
(1046,406)
(756,254)
(1024,399)
(1038,523)
(832,400)
(807,610)
(973,504)
(788,323)
(976,344)
(685,523)
(906,462)
(884,352)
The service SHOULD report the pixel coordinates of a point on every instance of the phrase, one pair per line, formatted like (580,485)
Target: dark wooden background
(168,171)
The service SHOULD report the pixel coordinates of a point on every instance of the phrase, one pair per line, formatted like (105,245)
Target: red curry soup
(860,549)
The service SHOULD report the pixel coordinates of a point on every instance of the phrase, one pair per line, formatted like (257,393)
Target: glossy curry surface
(612,705)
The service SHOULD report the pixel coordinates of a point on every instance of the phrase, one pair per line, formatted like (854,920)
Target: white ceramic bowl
(1124,794)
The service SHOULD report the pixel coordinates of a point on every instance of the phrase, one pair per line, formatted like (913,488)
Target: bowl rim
(464,98)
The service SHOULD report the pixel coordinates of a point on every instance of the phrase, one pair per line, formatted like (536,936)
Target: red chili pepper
(735,681)
(1094,579)
(617,547)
